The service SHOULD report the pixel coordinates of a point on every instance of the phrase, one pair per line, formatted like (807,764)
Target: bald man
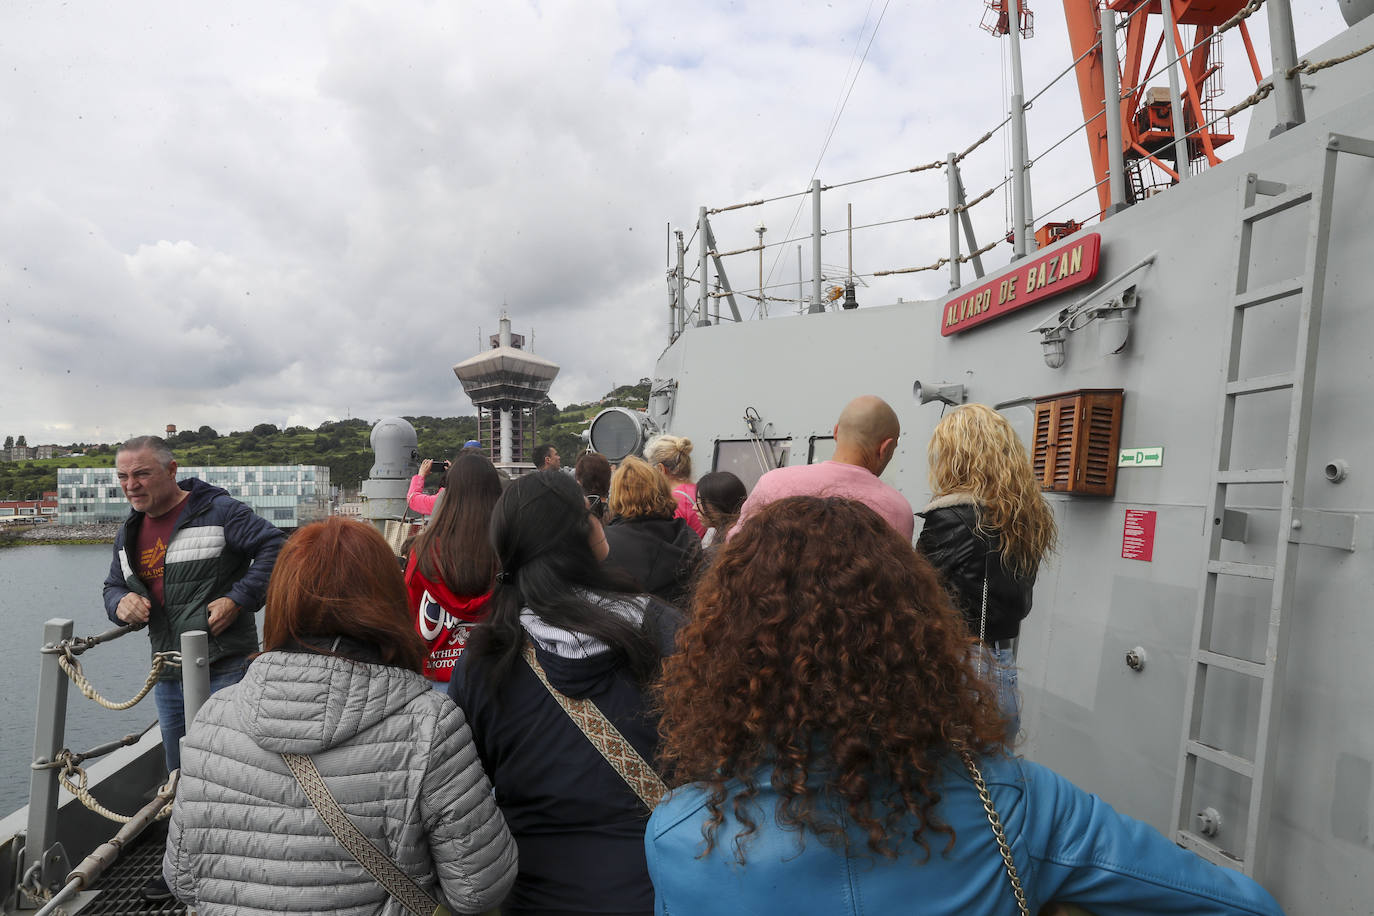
(865,439)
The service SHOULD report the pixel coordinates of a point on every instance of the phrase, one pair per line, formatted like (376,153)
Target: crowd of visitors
(814,713)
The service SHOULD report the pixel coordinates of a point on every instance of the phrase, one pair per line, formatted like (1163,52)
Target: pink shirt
(686,496)
(420,502)
(832,478)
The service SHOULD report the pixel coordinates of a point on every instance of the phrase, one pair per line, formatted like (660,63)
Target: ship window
(1077,435)
(750,459)
(822,448)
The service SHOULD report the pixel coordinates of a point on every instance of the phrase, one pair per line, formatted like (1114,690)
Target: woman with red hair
(840,753)
(339,682)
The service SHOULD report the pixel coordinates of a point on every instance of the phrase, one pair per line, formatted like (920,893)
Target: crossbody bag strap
(375,862)
(1001,835)
(983,618)
(606,738)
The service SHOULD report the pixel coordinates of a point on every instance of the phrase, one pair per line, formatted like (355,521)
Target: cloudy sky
(290,212)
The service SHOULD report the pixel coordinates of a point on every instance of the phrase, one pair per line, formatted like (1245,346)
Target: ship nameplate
(1036,280)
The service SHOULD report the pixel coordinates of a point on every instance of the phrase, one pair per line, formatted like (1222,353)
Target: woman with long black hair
(452,566)
(567,639)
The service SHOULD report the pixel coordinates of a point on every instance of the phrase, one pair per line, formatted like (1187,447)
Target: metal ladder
(1259,201)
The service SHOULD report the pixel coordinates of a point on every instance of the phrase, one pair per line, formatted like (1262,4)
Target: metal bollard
(41,847)
(195,672)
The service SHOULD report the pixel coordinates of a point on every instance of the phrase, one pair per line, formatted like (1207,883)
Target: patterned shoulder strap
(376,863)
(606,738)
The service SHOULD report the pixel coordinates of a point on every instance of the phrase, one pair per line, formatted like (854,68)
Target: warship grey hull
(1112,726)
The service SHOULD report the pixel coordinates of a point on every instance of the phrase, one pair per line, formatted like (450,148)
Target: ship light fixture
(1110,305)
(1052,340)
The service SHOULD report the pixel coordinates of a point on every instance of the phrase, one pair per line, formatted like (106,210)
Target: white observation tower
(506,384)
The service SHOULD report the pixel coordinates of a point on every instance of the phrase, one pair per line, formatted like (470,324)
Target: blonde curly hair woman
(987,528)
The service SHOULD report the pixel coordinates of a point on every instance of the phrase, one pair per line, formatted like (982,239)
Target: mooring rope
(69,663)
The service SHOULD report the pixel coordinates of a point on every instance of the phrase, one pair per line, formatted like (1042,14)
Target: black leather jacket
(963,555)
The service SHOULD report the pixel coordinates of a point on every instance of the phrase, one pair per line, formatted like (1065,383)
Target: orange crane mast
(1147,128)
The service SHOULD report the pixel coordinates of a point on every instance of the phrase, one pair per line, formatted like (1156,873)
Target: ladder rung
(1249,570)
(1280,290)
(1259,383)
(1221,758)
(1261,209)
(1252,475)
(1207,849)
(1231,663)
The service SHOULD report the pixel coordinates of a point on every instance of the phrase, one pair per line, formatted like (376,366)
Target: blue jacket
(1068,846)
(219,548)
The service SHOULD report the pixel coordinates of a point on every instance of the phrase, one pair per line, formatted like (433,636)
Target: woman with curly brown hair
(836,760)
(986,530)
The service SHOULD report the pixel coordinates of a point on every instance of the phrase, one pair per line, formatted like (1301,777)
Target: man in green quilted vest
(189,557)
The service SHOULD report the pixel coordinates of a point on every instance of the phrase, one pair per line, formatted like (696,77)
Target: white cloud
(290,211)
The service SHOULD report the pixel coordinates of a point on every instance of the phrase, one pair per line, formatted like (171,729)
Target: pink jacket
(420,502)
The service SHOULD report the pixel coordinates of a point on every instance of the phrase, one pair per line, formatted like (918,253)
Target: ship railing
(44,869)
(696,297)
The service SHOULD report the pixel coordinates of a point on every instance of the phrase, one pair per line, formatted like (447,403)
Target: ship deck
(120,889)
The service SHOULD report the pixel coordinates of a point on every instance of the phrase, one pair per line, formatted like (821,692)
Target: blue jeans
(999,667)
(171,706)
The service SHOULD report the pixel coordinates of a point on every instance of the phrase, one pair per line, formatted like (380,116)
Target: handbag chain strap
(997,831)
(606,738)
(983,619)
(375,862)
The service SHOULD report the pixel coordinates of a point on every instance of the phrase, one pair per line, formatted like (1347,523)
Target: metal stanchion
(41,848)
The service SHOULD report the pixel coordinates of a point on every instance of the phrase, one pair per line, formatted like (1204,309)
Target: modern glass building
(288,496)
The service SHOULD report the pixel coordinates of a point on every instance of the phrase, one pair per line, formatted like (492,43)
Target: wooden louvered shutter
(1040,455)
(1100,437)
(1064,442)
(1077,435)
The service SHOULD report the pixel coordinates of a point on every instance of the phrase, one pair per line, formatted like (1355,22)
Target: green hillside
(341,445)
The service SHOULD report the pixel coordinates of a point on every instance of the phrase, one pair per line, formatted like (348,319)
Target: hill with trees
(341,445)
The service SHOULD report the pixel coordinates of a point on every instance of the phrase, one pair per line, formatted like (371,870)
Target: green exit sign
(1140,457)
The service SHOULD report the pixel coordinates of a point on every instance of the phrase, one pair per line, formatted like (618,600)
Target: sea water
(37,584)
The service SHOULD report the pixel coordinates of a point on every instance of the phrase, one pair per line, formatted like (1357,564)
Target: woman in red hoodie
(452,566)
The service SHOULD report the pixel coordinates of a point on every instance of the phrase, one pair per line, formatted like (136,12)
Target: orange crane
(1147,128)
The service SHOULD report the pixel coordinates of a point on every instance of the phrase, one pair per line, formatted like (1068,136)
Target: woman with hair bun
(832,758)
(558,613)
(338,681)
(672,456)
(987,528)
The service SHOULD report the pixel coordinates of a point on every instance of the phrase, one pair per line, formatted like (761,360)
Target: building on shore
(288,496)
(29,510)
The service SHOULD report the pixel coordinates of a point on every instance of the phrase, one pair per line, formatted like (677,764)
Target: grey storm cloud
(292,211)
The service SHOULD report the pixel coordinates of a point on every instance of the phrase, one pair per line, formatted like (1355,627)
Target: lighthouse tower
(506,384)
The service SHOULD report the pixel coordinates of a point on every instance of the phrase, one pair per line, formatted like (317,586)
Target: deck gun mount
(397,452)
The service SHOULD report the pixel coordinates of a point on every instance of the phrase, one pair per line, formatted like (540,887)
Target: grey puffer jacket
(396,755)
